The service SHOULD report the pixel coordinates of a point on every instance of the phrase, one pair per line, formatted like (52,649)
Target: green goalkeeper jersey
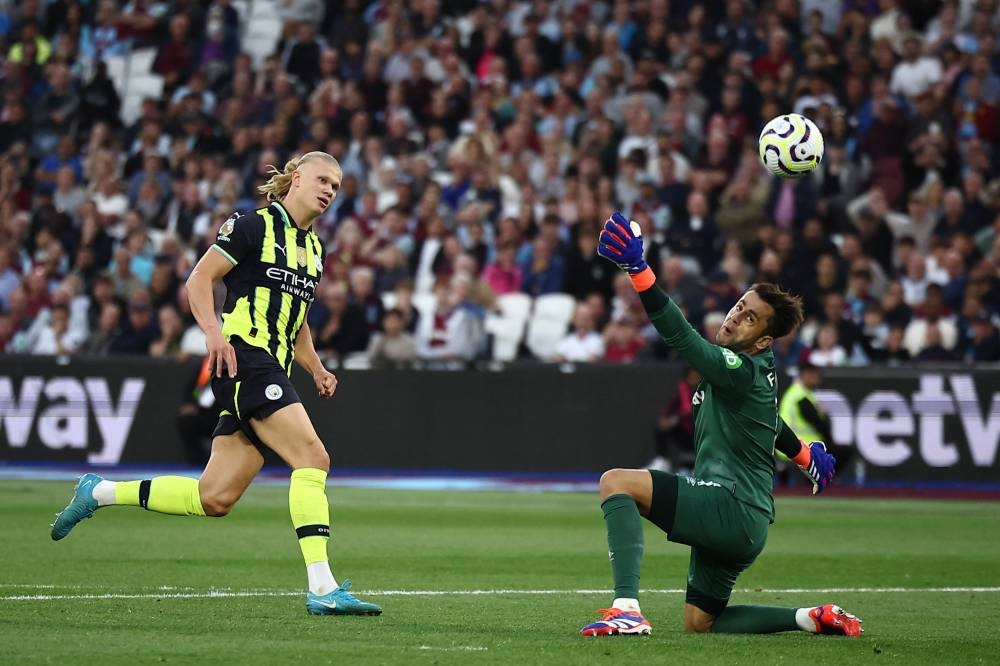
(735,411)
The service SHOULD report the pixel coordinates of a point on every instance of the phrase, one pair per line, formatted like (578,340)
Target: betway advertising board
(907,425)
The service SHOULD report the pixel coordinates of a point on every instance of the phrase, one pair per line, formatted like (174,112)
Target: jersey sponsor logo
(732,360)
(297,285)
(698,397)
(273,392)
(771,379)
(227,227)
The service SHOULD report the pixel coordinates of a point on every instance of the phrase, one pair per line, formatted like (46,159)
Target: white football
(790,146)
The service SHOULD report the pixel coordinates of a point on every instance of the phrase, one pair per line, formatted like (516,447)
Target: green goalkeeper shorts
(725,535)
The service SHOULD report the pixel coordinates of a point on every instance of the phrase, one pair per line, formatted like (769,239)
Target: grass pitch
(477,578)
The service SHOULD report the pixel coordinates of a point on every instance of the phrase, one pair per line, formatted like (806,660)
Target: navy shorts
(259,389)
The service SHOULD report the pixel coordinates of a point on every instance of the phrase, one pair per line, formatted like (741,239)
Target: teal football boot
(340,602)
(81,506)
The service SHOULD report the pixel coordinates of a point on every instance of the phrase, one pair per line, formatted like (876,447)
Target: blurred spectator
(622,341)
(503,275)
(472,133)
(449,332)
(545,271)
(933,348)
(931,315)
(583,344)
(139,329)
(56,337)
(340,327)
(674,437)
(171,329)
(827,350)
(394,346)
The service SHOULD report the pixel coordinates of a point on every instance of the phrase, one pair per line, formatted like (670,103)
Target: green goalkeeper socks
(755,620)
(624,544)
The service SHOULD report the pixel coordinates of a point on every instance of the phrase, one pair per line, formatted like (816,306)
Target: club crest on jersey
(732,360)
(300,255)
(227,227)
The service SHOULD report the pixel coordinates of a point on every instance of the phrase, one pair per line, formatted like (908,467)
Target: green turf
(423,540)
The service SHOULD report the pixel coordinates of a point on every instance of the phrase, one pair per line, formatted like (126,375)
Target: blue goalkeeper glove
(621,243)
(820,468)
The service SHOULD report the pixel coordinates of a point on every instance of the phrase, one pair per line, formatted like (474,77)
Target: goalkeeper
(724,510)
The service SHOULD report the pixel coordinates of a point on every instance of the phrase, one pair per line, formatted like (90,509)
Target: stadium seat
(514,306)
(544,335)
(140,62)
(117,67)
(263,32)
(140,87)
(554,307)
(265,9)
(507,332)
(242,8)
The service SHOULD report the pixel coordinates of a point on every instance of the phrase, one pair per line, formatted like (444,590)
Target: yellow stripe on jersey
(239,321)
(284,351)
(262,299)
(291,248)
(267,248)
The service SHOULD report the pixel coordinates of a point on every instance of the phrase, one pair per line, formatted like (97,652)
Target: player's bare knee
(698,626)
(216,506)
(613,482)
(318,456)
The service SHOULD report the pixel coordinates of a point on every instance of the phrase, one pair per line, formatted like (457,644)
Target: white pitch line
(227,593)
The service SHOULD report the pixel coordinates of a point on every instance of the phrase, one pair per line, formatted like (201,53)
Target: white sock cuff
(626,604)
(805,622)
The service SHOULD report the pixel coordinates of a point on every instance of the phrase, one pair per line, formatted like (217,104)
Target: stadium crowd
(482,145)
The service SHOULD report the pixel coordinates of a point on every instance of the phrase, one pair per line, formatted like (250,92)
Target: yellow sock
(174,495)
(310,512)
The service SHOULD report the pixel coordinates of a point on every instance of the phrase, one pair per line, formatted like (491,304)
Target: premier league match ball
(790,146)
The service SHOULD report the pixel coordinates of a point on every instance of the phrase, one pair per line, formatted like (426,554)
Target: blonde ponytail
(277,186)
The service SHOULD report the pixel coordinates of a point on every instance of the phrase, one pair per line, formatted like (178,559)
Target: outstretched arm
(621,243)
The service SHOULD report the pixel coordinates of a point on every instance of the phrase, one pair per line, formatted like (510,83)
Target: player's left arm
(305,354)
(622,244)
(813,459)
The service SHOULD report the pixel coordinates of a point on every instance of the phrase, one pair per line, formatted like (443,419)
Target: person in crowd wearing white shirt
(914,74)
(56,337)
(583,344)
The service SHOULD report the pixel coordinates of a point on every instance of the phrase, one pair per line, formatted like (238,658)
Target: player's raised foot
(81,506)
(832,619)
(617,622)
(340,602)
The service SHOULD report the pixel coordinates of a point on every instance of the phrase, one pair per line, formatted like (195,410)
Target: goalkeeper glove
(621,242)
(817,464)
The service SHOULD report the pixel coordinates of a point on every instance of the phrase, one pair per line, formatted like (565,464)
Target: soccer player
(271,262)
(724,510)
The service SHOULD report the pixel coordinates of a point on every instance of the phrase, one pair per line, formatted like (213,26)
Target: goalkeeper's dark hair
(787,308)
